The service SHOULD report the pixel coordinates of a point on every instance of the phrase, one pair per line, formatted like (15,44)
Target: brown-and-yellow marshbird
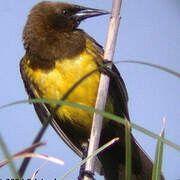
(58,54)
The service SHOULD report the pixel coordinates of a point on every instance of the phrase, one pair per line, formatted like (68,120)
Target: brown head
(51,29)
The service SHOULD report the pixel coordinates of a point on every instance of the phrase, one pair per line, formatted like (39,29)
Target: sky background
(149,31)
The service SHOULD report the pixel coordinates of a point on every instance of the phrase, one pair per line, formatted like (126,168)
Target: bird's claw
(87,173)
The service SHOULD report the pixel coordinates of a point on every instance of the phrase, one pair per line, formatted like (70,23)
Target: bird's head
(62,16)
(51,29)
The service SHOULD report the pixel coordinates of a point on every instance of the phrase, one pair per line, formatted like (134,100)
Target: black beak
(84,13)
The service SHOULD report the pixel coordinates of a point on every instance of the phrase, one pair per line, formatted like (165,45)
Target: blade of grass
(128,169)
(92,155)
(105,114)
(154,66)
(26,161)
(36,172)
(36,155)
(157,168)
(9,159)
(27,150)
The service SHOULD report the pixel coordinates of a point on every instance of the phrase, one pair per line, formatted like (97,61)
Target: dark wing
(118,93)
(117,89)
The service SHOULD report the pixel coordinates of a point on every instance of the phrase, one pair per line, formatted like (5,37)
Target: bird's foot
(83,173)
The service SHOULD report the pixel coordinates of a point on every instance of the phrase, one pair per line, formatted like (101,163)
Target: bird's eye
(69,11)
(64,11)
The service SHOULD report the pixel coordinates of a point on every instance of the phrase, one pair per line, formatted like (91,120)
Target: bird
(58,54)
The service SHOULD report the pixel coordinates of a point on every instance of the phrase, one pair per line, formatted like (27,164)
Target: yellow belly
(55,83)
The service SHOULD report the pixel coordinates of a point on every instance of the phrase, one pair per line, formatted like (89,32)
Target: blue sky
(149,31)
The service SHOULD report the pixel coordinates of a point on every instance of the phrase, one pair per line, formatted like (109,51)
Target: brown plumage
(57,55)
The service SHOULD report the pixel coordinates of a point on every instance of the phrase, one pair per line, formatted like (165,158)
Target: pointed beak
(84,13)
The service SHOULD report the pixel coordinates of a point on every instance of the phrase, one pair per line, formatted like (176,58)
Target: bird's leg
(82,171)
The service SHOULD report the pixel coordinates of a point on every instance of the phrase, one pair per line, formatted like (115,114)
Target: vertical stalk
(104,84)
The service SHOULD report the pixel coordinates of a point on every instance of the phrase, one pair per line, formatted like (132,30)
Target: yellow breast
(55,83)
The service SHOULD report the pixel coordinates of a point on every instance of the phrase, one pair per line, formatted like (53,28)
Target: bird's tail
(146,164)
(113,162)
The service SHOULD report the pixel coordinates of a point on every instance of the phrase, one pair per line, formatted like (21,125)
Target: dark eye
(69,11)
(65,12)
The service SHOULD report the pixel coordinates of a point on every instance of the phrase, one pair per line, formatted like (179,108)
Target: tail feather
(113,162)
(147,164)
